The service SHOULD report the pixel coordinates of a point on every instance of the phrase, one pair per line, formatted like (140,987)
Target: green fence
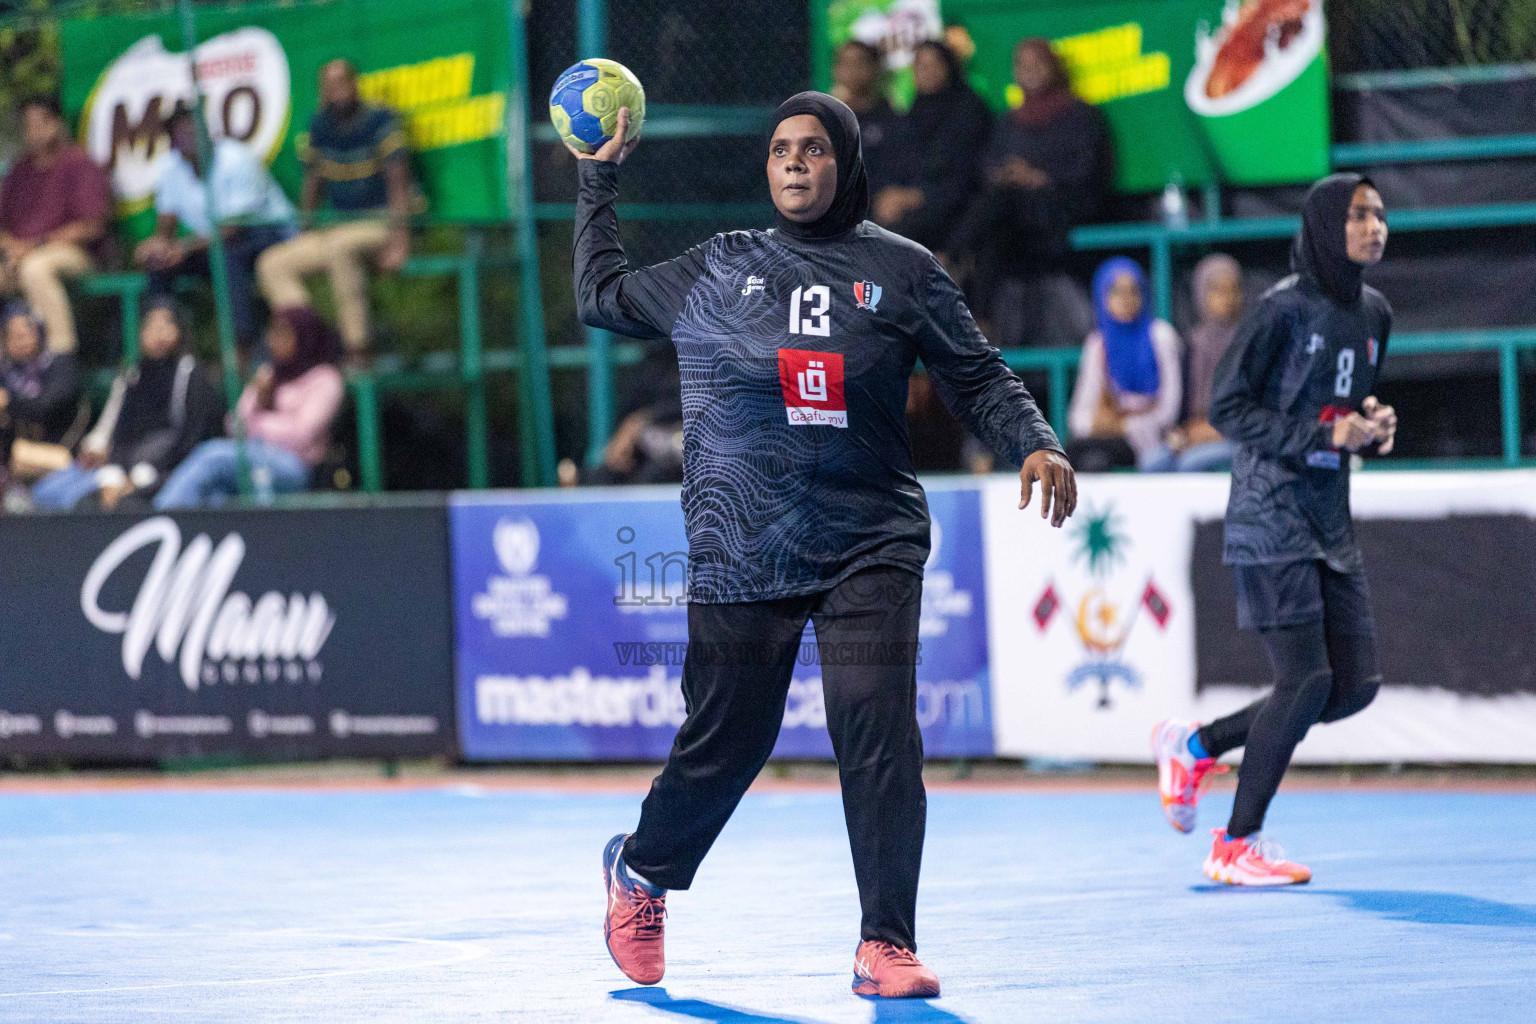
(520,348)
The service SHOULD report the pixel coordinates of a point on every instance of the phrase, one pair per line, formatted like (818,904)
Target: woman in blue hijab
(1128,384)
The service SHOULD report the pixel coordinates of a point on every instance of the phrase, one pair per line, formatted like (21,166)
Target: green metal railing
(1508,342)
(1162,241)
(527,355)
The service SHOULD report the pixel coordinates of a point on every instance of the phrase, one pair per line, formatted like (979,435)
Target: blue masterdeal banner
(571,625)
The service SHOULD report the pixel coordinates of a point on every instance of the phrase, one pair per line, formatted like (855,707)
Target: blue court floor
(467,905)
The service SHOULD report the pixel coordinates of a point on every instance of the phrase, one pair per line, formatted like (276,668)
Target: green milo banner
(894,26)
(1194,90)
(442,65)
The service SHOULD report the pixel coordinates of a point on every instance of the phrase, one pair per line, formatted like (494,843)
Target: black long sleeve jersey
(794,356)
(1299,361)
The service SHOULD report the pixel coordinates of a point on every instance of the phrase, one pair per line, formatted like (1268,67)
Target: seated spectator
(356,163)
(243,190)
(40,409)
(1128,382)
(940,144)
(647,447)
(1048,167)
(286,411)
(157,412)
(1196,446)
(858,77)
(55,204)
(936,437)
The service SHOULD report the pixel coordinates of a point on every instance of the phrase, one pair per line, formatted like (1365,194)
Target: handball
(584,104)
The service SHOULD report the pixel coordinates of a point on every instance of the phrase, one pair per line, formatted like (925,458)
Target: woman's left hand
(1385,418)
(266,388)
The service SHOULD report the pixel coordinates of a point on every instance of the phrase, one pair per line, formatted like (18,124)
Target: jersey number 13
(817,301)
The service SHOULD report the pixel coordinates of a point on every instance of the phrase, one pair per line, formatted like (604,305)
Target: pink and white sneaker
(1181,777)
(1252,861)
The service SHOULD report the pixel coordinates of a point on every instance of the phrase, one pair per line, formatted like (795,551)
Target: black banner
(1454,598)
(265,634)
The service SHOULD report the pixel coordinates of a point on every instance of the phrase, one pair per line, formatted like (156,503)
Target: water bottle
(1175,210)
(261,483)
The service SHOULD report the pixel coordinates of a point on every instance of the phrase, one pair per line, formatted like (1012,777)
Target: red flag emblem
(1156,604)
(1046,607)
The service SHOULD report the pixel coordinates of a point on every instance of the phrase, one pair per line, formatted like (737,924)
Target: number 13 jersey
(794,356)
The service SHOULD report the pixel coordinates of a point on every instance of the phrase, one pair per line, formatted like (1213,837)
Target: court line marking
(633,785)
(472,952)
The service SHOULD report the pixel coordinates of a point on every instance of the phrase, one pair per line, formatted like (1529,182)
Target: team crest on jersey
(866,294)
(1370,350)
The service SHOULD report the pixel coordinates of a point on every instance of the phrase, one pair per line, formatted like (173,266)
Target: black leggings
(1319,677)
(735,681)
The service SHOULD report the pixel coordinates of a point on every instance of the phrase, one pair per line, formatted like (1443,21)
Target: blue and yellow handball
(584,104)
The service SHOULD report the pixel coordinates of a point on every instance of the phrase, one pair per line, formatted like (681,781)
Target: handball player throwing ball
(1294,391)
(795,346)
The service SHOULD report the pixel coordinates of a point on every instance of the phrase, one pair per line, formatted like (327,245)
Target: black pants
(735,681)
(1325,669)
(241,250)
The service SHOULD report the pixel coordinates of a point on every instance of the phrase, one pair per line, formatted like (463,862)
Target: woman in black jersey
(1295,392)
(794,347)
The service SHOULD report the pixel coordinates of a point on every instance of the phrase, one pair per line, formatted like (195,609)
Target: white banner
(1092,632)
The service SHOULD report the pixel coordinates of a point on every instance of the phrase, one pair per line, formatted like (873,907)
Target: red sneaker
(634,926)
(881,969)
(1252,861)
(1181,777)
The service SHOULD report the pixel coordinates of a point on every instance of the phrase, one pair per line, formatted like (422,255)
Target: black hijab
(850,204)
(1319,252)
(152,384)
(317,344)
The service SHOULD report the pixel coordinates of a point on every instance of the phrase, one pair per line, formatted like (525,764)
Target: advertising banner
(572,624)
(1194,90)
(443,66)
(894,27)
(1092,632)
(1126,616)
(263,634)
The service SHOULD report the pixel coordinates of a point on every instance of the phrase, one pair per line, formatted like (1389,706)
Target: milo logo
(243,74)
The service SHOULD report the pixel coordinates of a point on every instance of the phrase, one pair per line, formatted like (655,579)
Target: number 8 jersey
(1300,360)
(794,356)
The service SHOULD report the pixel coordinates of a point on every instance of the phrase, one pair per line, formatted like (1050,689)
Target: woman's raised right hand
(615,149)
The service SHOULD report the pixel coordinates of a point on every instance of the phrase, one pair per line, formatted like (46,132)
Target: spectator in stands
(1128,381)
(244,191)
(858,76)
(40,411)
(647,447)
(55,204)
(286,412)
(940,146)
(357,164)
(1196,446)
(1048,168)
(157,412)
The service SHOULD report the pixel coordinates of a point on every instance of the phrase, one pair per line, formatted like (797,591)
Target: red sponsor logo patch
(813,387)
(1329,413)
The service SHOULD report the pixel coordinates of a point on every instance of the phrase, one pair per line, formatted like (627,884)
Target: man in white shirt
(244,192)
